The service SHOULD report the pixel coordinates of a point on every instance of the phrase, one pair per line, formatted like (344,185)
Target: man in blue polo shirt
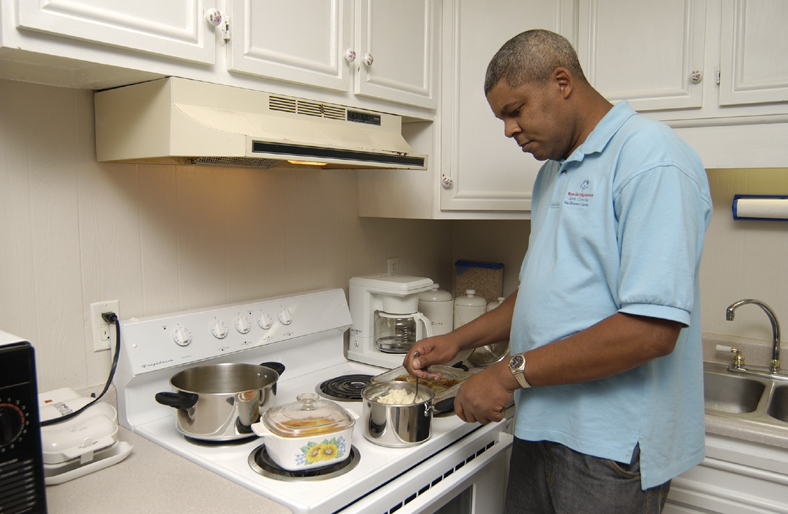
(606,365)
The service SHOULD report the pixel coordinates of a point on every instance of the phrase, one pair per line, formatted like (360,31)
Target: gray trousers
(549,478)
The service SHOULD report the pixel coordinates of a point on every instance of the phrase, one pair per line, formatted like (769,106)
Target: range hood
(181,121)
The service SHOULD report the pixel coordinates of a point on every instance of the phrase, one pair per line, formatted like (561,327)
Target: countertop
(152,479)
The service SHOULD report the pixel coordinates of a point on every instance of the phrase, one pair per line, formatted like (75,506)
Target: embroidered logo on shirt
(581,198)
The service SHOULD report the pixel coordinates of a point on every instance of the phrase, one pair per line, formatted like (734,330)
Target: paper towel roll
(764,207)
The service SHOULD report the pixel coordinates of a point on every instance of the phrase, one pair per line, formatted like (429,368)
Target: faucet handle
(738,358)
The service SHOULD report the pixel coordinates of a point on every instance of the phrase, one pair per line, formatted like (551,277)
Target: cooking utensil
(445,389)
(415,396)
(396,425)
(310,433)
(219,402)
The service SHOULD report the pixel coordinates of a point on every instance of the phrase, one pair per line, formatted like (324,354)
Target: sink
(733,394)
(778,405)
(756,400)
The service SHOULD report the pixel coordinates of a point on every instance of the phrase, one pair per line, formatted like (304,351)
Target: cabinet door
(301,41)
(173,28)
(753,42)
(482,169)
(644,52)
(395,43)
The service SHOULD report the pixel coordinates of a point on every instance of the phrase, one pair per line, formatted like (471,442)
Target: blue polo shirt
(618,227)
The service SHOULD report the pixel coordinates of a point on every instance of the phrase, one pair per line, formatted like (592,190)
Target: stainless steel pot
(396,425)
(219,402)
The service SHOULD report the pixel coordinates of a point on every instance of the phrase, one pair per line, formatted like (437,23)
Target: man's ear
(563,78)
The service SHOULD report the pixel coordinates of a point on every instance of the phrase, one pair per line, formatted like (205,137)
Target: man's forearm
(616,344)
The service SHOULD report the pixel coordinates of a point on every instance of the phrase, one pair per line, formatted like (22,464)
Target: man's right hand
(433,350)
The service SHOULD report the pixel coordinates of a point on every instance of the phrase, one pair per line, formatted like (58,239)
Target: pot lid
(309,416)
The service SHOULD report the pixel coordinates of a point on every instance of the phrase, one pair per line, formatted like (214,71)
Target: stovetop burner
(344,388)
(262,464)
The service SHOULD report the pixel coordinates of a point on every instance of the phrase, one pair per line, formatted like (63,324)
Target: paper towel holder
(760,207)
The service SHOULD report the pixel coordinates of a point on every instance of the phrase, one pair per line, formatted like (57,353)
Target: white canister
(495,303)
(467,308)
(438,307)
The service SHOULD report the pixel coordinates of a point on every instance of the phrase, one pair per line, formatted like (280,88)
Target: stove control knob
(264,320)
(285,317)
(242,324)
(219,329)
(182,336)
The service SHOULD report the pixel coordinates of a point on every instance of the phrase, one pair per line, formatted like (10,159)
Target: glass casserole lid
(309,416)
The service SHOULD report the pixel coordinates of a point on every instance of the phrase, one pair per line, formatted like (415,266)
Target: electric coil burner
(262,464)
(346,388)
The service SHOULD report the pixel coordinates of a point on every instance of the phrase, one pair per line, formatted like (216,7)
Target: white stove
(305,333)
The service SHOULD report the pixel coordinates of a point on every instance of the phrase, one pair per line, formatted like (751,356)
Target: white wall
(744,259)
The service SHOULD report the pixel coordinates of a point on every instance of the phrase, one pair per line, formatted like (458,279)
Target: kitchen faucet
(774,364)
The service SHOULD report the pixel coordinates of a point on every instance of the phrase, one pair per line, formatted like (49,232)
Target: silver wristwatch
(517,366)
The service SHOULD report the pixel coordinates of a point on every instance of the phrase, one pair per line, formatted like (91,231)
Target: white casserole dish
(311,433)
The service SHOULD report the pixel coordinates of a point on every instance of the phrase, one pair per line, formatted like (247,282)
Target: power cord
(112,318)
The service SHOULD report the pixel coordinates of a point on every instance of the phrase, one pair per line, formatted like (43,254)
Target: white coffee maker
(386,318)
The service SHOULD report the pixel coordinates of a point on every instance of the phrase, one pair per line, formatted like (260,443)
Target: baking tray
(441,393)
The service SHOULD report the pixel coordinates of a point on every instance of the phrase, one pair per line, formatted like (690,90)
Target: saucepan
(220,402)
(396,415)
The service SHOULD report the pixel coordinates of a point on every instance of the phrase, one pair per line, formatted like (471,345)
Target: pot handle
(445,405)
(179,400)
(276,366)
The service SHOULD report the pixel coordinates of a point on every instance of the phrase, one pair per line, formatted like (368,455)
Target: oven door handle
(428,497)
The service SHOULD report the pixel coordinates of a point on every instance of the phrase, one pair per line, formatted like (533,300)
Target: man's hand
(425,353)
(483,397)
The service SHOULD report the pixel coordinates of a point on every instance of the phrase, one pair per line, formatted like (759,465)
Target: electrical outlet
(103,332)
(393,265)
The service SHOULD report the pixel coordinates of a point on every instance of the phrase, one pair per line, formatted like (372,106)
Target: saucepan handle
(180,400)
(276,366)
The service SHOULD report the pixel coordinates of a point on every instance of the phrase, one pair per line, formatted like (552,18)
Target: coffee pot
(397,333)
(386,318)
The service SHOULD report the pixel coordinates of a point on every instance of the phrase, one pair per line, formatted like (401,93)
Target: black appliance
(21,461)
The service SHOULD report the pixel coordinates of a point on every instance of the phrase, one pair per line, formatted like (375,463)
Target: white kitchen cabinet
(478,172)
(175,29)
(714,70)
(376,48)
(481,169)
(712,61)
(649,53)
(302,41)
(736,477)
(753,42)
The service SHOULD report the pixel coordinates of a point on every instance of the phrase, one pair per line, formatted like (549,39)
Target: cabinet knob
(368,60)
(696,76)
(214,17)
(447,182)
(350,55)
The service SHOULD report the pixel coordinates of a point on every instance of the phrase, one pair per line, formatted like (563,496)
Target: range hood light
(308,163)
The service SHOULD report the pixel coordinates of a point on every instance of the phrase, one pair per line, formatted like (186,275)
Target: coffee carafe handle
(427,326)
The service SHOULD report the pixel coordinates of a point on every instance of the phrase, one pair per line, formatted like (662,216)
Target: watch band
(517,367)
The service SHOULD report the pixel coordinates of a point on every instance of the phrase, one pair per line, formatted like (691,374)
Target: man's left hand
(483,397)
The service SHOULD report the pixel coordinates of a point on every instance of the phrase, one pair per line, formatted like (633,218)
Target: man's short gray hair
(532,56)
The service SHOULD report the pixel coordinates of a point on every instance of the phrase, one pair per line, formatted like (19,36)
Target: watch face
(516,362)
